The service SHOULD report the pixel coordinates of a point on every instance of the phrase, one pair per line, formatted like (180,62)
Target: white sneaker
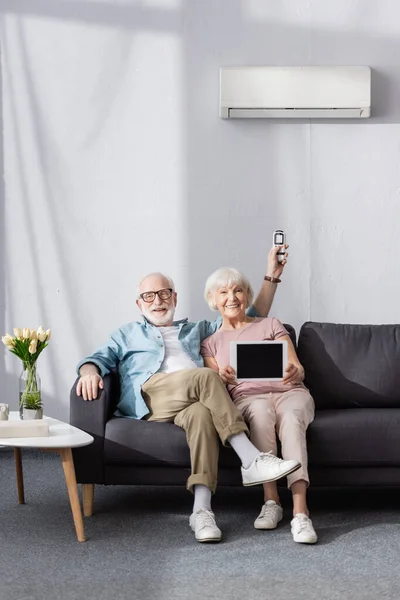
(270,515)
(267,467)
(303,530)
(202,521)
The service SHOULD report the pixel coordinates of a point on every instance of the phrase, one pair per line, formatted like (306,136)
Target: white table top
(62,435)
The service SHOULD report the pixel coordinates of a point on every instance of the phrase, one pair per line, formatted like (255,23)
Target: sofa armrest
(92,417)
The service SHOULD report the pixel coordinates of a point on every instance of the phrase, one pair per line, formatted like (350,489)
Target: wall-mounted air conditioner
(295,92)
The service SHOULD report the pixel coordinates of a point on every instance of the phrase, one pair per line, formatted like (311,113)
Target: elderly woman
(269,407)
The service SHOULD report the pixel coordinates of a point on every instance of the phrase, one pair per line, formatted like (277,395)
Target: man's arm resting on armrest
(92,417)
(92,368)
(90,381)
(89,369)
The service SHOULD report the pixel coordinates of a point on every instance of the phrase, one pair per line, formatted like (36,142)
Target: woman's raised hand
(275,268)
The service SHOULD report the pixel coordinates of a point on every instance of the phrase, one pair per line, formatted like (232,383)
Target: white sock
(243,447)
(202,497)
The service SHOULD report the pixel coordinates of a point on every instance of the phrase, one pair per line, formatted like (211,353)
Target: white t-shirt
(175,356)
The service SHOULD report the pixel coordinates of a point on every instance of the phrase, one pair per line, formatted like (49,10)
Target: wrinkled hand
(88,386)
(227,375)
(294,374)
(275,268)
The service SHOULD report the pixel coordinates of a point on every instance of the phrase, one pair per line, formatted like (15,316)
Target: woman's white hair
(225,277)
(170,282)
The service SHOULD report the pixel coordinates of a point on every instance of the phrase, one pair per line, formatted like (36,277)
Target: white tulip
(17,332)
(42,336)
(40,329)
(8,341)
(33,347)
(33,335)
(26,333)
(48,333)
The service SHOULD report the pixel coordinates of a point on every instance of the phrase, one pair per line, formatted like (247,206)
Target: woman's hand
(294,374)
(275,268)
(227,375)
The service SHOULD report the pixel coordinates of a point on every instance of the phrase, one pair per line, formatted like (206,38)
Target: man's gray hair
(170,282)
(226,276)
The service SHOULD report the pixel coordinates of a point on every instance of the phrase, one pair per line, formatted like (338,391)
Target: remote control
(279,239)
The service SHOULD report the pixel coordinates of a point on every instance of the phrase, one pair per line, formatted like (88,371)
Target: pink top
(218,346)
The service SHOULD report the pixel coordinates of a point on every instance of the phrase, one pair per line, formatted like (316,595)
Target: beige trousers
(197,401)
(287,414)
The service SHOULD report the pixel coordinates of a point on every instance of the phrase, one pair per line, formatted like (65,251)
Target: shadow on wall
(214,169)
(217,18)
(47,163)
(2,240)
(131,17)
(225,158)
(8,383)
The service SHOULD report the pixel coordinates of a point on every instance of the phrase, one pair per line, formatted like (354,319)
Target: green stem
(31,394)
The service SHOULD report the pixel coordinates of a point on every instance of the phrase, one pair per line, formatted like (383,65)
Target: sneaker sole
(209,540)
(304,541)
(247,484)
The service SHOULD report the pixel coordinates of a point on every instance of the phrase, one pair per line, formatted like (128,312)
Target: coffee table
(63,437)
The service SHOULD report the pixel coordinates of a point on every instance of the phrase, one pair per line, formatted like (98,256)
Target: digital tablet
(259,361)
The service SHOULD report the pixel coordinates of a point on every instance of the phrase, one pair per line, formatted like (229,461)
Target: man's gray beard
(162,321)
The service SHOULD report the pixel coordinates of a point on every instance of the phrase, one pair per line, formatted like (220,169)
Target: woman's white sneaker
(303,530)
(202,522)
(268,467)
(270,515)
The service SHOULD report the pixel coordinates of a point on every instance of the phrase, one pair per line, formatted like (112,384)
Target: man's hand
(89,383)
(294,374)
(275,268)
(227,375)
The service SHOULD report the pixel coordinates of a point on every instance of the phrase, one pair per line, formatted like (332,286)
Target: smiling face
(231,301)
(159,312)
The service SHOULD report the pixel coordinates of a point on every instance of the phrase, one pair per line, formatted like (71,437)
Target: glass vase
(29,389)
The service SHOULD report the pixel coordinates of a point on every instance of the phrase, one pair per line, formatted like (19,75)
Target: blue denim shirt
(137,350)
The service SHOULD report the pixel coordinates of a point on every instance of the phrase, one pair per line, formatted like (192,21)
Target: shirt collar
(147,323)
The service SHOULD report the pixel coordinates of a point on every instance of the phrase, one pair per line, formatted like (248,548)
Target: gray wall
(117,164)
(3,372)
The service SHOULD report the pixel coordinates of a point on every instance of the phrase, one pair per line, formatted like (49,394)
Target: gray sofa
(353,373)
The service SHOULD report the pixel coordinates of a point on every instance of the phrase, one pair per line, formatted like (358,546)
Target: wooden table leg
(88,494)
(69,472)
(20,475)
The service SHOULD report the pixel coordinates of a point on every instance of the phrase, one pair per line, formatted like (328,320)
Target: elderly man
(163,379)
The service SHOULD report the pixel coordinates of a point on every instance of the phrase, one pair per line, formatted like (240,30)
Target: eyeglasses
(164,294)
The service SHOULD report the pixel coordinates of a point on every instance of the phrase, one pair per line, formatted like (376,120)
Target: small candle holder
(4,412)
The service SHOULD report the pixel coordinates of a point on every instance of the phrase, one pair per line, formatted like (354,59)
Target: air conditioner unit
(295,92)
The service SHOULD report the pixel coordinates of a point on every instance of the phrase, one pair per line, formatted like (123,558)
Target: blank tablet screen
(260,361)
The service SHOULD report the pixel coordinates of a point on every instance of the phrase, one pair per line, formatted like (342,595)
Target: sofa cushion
(130,441)
(145,443)
(366,437)
(336,438)
(351,366)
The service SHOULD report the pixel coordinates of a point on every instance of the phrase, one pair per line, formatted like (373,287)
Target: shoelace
(303,524)
(268,457)
(267,511)
(205,519)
